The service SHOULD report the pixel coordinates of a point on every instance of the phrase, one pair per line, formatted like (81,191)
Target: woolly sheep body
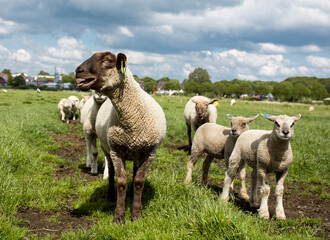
(217,142)
(135,125)
(88,120)
(192,120)
(75,103)
(65,107)
(266,152)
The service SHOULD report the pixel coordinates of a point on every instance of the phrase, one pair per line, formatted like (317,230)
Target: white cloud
(141,58)
(22,55)
(246,77)
(311,48)
(125,31)
(319,62)
(68,48)
(272,48)
(8,27)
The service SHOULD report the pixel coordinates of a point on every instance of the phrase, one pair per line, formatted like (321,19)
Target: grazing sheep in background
(88,119)
(136,125)
(199,110)
(4,90)
(38,90)
(75,103)
(65,107)
(266,152)
(311,108)
(232,102)
(217,142)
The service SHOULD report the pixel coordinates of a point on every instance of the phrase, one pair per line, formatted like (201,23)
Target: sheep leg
(191,164)
(189,137)
(94,157)
(243,191)
(279,190)
(234,163)
(264,192)
(62,115)
(111,178)
(120,171)
(206,167)
(254,189)
(138,184)
(106,169)
(74,115)
(88,149)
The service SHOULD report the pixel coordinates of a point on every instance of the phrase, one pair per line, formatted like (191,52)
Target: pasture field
(46,192)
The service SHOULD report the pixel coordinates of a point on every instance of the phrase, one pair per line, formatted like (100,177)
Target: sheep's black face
(92,72)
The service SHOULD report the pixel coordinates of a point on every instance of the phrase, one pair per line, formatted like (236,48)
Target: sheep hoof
(264,214)
(119,219)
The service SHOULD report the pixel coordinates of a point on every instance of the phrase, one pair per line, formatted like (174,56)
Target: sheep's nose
(233,130)
(285,132)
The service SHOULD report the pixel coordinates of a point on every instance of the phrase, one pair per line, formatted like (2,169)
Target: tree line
(297,89)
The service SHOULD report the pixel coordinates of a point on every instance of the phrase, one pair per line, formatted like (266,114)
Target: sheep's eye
(243,124)
(292,125)
(276,124)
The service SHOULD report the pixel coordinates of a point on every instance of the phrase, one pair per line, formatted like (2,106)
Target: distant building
(3,79)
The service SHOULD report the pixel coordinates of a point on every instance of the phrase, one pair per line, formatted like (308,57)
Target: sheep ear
(252,118)
(193,100)
(229,116)
(214,101)
(121,61)
(269,117)
(296,118)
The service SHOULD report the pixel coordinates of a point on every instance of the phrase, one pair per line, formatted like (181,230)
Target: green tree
(262,89)
(319,92)
(150,84)
(8,72)
(172,84)
(300,91)
(43,73)
(205,87)
(17,81)
(219,88)
(69,78)
(191,87)
(244,88)
(282,91)
(199,75)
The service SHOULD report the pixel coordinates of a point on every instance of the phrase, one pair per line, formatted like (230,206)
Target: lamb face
(283,125)
(239,124)
(99,71)
(201,108)
(99,98)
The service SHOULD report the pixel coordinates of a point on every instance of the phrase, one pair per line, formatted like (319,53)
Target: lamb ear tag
(266,114)
(215,103)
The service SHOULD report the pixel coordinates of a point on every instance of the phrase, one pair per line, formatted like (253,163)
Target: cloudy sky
(244,39)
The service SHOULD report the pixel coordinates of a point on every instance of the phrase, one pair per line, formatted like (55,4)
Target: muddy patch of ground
(299,200)
(47,223)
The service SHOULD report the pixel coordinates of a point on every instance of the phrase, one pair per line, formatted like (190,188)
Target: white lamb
(88,119)
(232,102)
(38,90)
(199,110)
(266,152)
(136,124)
(217,142)
(75,103)
(65,107)
(311,109)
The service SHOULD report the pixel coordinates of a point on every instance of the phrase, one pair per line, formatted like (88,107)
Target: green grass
(171,209)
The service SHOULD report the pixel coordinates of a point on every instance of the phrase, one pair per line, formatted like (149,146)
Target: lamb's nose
(233,130)
(285,132)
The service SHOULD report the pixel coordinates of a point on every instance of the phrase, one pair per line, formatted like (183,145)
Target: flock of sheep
(131,125)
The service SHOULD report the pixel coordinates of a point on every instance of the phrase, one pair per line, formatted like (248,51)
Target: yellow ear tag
(215,103)
(123,69)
